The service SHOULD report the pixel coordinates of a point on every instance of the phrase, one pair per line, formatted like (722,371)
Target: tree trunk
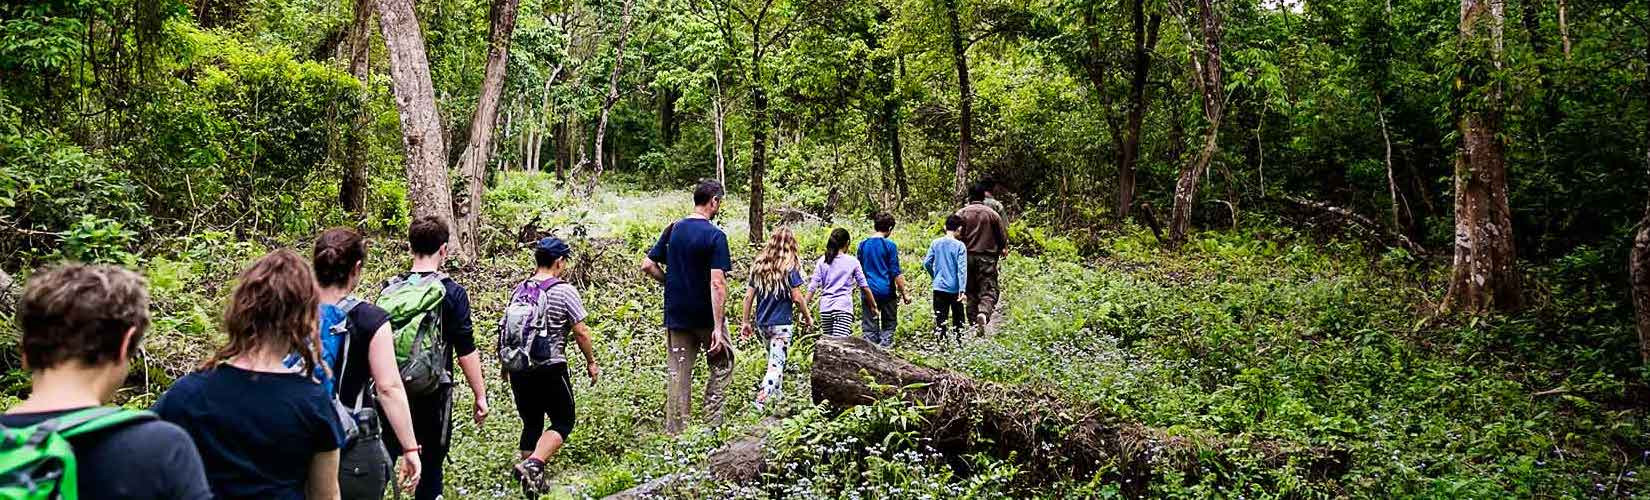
(896,152)
(352,190)
(721,145)
(1214,103)
(1145,40)
(1391,180)
(428,189)
(473,165)
(1639,265)
(1543,69)
(667,115)
(1564,28)
(1485,275)
(759,143)
(1053,439)
(612,96)
(965,99)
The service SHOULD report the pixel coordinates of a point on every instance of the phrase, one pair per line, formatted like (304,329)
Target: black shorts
(539,393)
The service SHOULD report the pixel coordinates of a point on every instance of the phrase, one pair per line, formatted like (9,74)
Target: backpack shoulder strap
(93,420)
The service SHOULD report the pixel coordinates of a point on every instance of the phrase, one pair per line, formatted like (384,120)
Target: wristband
(414,449)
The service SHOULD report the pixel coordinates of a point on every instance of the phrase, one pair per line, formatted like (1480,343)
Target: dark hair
(977,193)
(708,189)
(884,222)
(275,303)
(427,234)
(954,223)
(337,252)
(545,258)
(76,312)
(838,242)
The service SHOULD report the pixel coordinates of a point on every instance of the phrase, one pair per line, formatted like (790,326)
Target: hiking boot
(981,320)
(531,474)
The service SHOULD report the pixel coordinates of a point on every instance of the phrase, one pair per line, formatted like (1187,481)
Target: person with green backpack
(79,328)
(430,315)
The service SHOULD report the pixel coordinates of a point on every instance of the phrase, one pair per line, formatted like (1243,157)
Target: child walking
(947,263)
(880,256)
(770,302)
(837,276)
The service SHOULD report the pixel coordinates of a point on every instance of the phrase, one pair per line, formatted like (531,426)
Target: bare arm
(652,270)
(471,364)
(391,396)
(870,301)
(581,334)
(745,312)
(323,476)
(801,301)
(718,310)
(899,284)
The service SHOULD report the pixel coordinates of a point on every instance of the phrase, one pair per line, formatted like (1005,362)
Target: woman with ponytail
(837,276)
(264,430)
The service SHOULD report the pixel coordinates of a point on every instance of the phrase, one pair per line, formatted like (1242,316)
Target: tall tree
(1145,41)
(352,191)
(626,20)
(428,189)
(965,96)
(1639,261)
(1207,79)
(473,165)
(1485,275)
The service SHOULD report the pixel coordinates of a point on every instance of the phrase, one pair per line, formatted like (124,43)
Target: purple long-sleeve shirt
(837,282)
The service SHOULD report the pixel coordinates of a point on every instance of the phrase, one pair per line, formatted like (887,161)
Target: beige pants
(682,349)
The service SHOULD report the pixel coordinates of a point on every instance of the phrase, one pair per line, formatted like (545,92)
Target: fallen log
(1378,234)
(1051,438)
(739,461)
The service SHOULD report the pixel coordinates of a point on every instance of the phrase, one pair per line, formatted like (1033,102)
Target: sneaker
(531,475)
(981,321)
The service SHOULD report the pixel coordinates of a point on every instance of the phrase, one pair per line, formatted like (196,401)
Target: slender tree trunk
(965,98)
(1639,263)
(721,147)
(1145,40)
(1214,103)
(612,96)
(352,191)
(473,165)
(667,115)
(1564,28)
(1391,180)
(759,145)
(428,189)
(896,151)
(563,148)
(1485,275)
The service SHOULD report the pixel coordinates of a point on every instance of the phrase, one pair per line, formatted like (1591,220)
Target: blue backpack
(334,327)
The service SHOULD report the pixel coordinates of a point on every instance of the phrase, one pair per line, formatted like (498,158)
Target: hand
(718,340)
(746,332)
(594,371)
(481,412)
(906,298)
(411,468)
(962,298)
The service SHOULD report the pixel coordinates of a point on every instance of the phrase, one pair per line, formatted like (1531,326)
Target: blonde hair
(771,271)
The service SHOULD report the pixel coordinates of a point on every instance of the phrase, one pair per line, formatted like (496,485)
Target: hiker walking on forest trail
(79,328)
(947,264)
(363,362)
(695,261)
(987,241)
(263,430)
(880,258)
(991,200)
(837,276)
(770,302)
(430,315)
(543,312)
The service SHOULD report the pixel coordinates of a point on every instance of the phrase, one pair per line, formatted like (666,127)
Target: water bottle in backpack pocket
(414,305)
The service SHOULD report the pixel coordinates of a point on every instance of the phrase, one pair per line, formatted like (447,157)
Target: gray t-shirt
(562,309)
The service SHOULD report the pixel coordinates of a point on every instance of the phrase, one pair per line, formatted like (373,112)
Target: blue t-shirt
(257,432)
(774,309)
(947,262)
(880,259)
(689,250)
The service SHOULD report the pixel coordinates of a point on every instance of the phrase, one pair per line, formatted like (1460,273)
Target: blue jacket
(947,262)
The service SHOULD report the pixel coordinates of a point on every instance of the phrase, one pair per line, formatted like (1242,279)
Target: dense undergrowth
(1256,334)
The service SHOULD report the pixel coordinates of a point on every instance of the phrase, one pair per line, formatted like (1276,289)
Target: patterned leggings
(779,341)
(837,323)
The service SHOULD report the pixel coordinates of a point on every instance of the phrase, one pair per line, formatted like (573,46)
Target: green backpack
(414,305)
(37,463)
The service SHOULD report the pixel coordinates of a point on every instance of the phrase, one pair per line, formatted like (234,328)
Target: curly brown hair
(275,305)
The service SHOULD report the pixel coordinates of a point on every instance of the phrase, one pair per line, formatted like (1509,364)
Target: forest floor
(1260,334)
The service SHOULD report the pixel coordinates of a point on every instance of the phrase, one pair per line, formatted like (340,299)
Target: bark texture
(965,97)
(1052,438)
(1485,276)
(1145,40)
(473,165)
(428,189)
(352,191)
(612,96)
(1209,85)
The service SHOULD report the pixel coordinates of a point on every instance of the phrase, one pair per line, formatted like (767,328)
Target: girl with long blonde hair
(771,303)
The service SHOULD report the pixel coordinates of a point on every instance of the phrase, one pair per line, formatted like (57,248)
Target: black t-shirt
(364,321)
(257,432)
(457,328)
(145,460)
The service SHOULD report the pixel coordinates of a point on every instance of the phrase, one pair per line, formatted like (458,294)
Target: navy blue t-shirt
(689,250)
(139,461)
(880,259)
(776,308)
(257,432)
